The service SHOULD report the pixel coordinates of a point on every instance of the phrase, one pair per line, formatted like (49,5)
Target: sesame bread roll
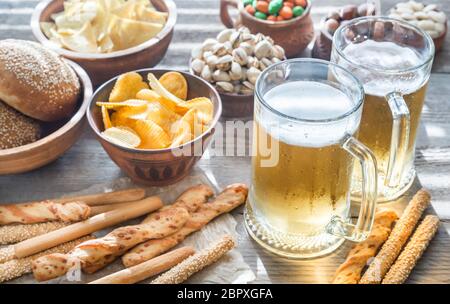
(36,81)
(16,129)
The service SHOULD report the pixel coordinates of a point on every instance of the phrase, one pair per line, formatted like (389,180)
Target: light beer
(307,112)
(378,61)
(311,180)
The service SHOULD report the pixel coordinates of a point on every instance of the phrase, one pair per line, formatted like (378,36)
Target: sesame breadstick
(197,262)
(147,269)
(399,235)
(18,267)
(10,234)
(7,253)
(350,271)
(416,246)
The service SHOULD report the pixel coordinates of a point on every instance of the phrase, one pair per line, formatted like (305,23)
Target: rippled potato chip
(135,104)
(106,119)
(127,86)
(175,83)
(123,136)
(152,135)
(204,107)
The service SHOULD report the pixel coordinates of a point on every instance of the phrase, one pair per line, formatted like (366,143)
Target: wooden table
(86,163)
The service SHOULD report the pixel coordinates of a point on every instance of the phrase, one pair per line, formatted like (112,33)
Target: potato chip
(204,106)
(131,103)
(120,120)
(152,135)
(150,15)
(149,95)
(127,86)
(162,116)
(181,138)
(188,128)
(82,41)
(126,33)
(116,24)
(106,119)
(122,136)
(175,83)
(161,90)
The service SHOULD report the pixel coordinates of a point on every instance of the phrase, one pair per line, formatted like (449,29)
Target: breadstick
(191,199)
(15,233)
(416,246)
(77,230)
(95,254)
(398,237)
(45,211)
(120,196)
(18,267)
(147,269)
(105,208)
(350,271)
(230,198)
(197,262)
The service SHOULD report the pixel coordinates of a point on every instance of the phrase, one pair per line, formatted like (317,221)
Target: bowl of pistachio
(231,62)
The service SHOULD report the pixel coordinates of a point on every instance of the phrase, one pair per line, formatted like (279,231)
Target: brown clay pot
(293,35)
(102,67)
(163,166)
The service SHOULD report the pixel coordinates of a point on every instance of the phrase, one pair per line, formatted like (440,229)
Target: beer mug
(307,113)
(393,60)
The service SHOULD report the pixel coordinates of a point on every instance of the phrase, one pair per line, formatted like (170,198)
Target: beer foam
(383,63)
(309,100)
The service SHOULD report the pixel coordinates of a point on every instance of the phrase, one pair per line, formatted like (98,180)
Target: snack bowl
(158,167)
(323,43)
(292,35)
(102,67)
(234,105)
(237,105)
(59,136)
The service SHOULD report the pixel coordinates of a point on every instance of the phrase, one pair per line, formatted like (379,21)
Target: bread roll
(16,129)
(36,81)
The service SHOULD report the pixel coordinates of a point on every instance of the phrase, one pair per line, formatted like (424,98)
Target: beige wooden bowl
(60,136)
(163,166)
(102,67)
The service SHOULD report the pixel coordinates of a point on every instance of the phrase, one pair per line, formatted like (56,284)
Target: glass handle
(343,228)
(399,139)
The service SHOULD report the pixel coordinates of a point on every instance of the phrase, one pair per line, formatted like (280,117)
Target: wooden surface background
(86,163)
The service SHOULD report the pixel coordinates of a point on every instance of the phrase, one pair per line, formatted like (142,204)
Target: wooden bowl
(292,35)
(163,166)
(237,105)
(61,136)
(322,45)
(439,41)
(102,67)
(234,105)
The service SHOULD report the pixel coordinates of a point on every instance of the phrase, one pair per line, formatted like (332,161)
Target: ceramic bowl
(162,166)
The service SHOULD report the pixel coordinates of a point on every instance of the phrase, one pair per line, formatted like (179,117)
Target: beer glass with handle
(393,60)
(307,113)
